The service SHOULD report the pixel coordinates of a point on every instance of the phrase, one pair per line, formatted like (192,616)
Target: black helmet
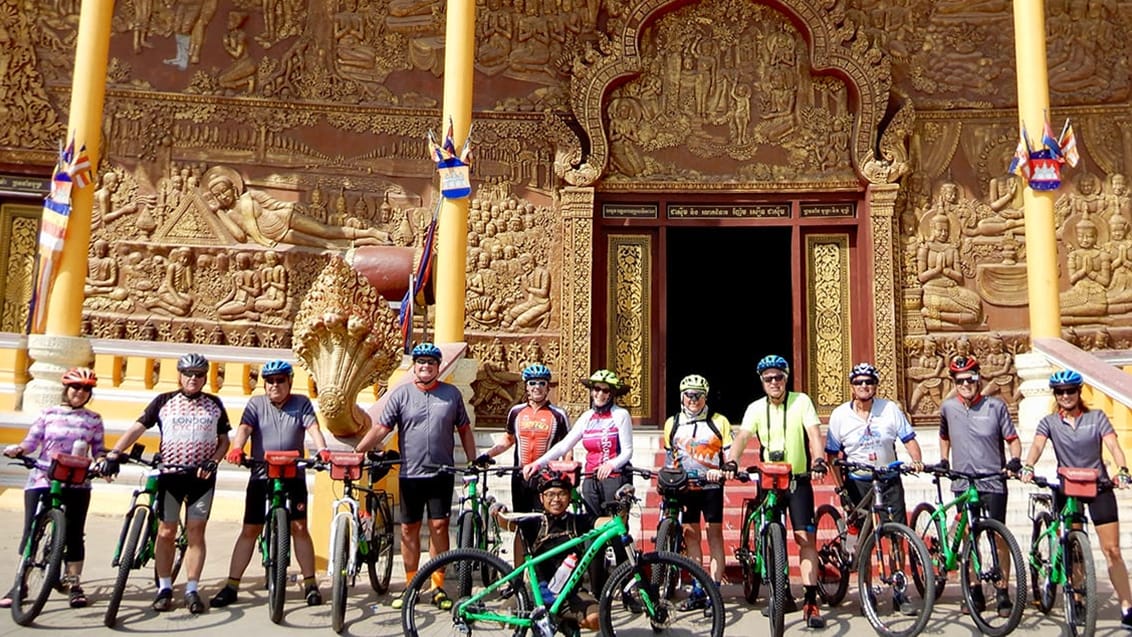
(192,363)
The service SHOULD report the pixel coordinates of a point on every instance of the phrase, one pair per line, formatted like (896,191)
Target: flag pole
(61,344)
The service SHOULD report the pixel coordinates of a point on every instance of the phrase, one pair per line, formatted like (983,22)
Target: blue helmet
(1066,377)
(773,361)
(275,368)
(429,350)
(536,371)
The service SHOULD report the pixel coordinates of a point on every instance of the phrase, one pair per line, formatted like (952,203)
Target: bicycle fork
(344,522)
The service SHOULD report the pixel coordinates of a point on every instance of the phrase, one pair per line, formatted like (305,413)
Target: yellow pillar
(452,246)
(1033,110)
(60,347)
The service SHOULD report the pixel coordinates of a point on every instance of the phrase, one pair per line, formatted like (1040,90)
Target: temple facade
(660,187)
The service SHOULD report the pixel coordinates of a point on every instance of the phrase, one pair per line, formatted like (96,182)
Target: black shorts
(176,489)
(598,493)
(705,502)
(799,502)
(1102,509)
(435,493)
(524,496)
(892,493)
(256,503)
(993,505)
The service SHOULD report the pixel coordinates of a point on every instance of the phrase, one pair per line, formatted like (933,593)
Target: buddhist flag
(416,287)
(455,175)
(80,169)
(1068,143)
(52,233)
(1049,141)
(1020,164)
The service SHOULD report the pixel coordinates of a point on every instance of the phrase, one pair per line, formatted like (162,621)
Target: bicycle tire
(778,576)
(44,565)
(379,558)
(980,557)
(871,584)
(1042,549)
(1081,582)
(420,618)
(629,580)
(752,579)
(667,540)
(279,558)
(924,526)
(833,558)
(137,523)
(341,557)
(465,539)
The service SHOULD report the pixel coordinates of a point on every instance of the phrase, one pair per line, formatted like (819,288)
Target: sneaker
(227,595)
(314,598)
(978,600)
(164,600)
(696,601)
(194,603)
(631,604)
(441,600)
(1079,613)
(1003,603)
(813,617)
(1126,619)
(901,604)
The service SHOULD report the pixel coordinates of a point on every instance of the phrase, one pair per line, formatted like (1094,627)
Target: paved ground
(371,615)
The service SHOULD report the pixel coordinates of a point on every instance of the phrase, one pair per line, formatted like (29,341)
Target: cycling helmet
(864,369)
(427,350)
(551,479)
(275,368)
(536,371)
(192,363)
(80,376)
(609,378)
(773,361)
(961,364)
(694,382)
(1066,377)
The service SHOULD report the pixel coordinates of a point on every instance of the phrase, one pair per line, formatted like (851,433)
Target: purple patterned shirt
(55,431)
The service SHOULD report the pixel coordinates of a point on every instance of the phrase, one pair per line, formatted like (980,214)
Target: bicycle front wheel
(340,557)
(138,523)
(994,570)
(39,571)
(1081,587)
(777,576)
(379,559)
(926,528)
(667,540)
(467,532)
(631,604)
(833,558)
(1043,545)
(889,599)
(278,559)
(486,616)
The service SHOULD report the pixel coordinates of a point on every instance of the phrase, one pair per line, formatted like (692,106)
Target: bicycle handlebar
(951,474)
(887,471)
(1103,484)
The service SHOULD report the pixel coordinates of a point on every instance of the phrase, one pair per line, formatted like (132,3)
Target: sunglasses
(972,380)
(774,378)
(193,374)
(276,380)
(694,395)
(862,382)
(426,361)
(79,387)
(1067,391)
(601,390)
(537,383)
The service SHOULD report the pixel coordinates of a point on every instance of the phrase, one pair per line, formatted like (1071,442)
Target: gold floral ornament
(348,338)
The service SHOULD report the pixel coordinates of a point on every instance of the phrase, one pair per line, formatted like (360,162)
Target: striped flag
(80,169)
(1020,164)
(1049,141)
(424,271)
(1068,143)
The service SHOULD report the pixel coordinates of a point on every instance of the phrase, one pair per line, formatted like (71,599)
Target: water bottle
(854,531)
(562,574)
(79,448)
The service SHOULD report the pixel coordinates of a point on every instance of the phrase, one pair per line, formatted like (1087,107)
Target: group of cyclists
(976,436)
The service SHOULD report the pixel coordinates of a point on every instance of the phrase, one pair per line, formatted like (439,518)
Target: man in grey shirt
(426,413)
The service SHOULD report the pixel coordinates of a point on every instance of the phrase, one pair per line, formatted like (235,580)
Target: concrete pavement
(370,615)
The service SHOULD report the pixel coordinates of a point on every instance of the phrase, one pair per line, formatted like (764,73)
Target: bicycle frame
(1072,513)
(951,539)
(149,490)
(348,509)
(613,533)
(760,517)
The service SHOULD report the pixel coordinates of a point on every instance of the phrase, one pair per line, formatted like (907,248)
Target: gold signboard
(621,211)
(810,210)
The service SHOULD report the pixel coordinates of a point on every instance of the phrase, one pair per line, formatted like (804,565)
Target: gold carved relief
(827,305)
(886,321)
(577,209)
(630,306)
(19,234)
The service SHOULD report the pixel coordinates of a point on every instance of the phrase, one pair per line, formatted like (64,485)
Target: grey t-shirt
(426,423)
(1078,447)
(978,434)
(277,428)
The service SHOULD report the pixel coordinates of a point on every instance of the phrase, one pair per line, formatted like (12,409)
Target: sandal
(441,600)
(78,598)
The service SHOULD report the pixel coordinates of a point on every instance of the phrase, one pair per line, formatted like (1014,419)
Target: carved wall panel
(19,235)
(629,281)
(827,303)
